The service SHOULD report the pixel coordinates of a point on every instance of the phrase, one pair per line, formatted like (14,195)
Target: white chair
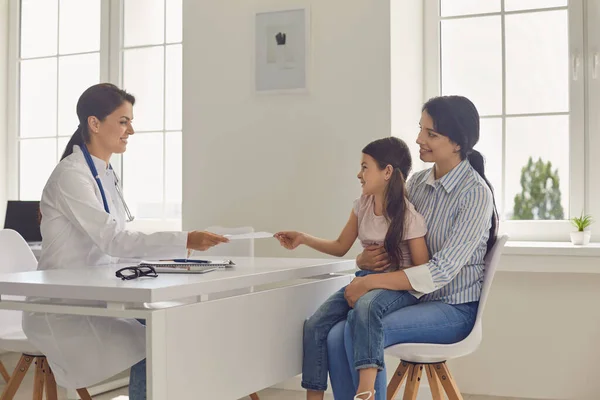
(17,257)
(417,356)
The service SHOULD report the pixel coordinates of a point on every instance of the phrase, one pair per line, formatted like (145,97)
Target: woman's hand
(290,239)
(356,289)
(198,240)
(373,258)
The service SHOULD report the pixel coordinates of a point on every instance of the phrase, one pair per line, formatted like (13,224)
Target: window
(520,62)
(152,71)
(61,47)
(59,57)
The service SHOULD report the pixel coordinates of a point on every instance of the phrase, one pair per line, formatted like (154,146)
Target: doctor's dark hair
(394,152)
(97,101)
(457,118)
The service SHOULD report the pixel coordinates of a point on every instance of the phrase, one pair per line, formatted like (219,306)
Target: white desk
(221,349)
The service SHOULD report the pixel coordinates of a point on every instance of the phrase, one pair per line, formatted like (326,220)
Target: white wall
(285,161)
(4,13)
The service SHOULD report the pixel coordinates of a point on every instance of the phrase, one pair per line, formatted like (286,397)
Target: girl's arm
(418,251)
(339,247)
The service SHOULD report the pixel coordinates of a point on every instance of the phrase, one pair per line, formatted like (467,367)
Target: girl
(381,216)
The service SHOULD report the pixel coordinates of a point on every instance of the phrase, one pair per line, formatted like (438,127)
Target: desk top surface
(100,283)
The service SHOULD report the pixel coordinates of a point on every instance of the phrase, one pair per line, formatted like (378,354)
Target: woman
(458,205)
(83,225)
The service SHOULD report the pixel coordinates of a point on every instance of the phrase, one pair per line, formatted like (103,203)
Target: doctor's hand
(198,240)
(290,239)
(373,258)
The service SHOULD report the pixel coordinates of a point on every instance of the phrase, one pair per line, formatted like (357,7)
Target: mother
(457,202)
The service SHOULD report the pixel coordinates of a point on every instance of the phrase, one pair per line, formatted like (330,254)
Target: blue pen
(187,260)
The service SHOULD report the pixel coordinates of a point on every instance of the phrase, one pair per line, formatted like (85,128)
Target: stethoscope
(90,163)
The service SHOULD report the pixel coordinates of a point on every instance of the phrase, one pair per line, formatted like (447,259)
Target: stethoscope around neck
(90,163)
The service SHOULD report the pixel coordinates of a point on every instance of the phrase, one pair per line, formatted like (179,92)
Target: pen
(188,260)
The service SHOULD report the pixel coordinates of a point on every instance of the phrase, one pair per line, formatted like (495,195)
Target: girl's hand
(356,289)
(290,239)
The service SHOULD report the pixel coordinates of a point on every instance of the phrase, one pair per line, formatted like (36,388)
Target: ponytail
(395,212)
(76,139)
(478,163)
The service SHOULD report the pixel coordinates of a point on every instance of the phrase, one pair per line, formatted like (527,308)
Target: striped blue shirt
(458,210)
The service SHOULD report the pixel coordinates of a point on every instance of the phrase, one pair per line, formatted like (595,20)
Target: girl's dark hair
(457,118)
(393,151)
(97,101)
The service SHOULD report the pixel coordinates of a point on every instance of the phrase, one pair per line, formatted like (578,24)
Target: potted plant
(581,236)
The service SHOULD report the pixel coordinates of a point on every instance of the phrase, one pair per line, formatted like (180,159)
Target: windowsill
(550,257)
(551,249)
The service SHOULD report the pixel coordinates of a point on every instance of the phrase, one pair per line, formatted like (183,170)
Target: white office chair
(17,257)
(432,357)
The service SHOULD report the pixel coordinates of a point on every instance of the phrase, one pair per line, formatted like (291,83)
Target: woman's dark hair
(457,118)
(97,101)
(393,151)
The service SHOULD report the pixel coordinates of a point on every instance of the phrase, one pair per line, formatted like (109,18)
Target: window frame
(111,70)
(580,195)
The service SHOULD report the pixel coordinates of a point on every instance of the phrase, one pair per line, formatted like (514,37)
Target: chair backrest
(235,248)
(492,260)
(15,256)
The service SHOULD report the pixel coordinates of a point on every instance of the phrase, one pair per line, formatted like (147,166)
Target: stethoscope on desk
(90,163)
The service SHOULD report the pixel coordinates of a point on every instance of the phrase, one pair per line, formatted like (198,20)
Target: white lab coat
(77,232)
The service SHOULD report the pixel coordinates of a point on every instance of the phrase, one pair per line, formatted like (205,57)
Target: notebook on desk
(188,266)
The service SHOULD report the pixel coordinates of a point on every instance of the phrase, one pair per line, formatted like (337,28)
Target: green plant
(540,196)
(582,222)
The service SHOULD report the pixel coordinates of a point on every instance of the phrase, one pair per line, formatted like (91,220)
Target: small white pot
(581,238)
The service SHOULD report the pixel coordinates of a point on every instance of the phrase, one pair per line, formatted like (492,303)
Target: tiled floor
(25,392)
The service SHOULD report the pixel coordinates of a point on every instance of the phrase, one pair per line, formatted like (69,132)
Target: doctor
(83,224)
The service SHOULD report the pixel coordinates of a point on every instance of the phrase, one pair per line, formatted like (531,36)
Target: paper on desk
(253,235)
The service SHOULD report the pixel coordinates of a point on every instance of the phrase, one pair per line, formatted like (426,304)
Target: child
(381,216)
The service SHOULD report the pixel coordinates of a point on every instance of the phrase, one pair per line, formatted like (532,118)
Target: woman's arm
(339,247)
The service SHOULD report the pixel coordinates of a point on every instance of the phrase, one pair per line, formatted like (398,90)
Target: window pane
(143,76)
(537,62)
(173,175)
(174,21)
(144,22)
(75,75)
(512,5)
(143,175)
(472,64)
(545,138)
(173,87)
(38,98)
(62,144)
(36,163)
(464,7)
(79,26)
(39,28)
(490,146)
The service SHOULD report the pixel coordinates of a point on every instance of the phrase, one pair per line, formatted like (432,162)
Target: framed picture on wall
(281,51)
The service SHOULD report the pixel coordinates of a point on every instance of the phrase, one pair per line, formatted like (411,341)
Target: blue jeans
(427,322)
(365,321)
(137,378)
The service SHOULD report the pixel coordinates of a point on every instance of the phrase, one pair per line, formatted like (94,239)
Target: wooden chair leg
(413,380)
(254,396)
(51,389)
(17,377)
(38,380)
(83,393)
(4,373)
(434,383)
(394,385)
(447,381)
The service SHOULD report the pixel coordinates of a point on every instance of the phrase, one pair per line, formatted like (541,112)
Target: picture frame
(282,51)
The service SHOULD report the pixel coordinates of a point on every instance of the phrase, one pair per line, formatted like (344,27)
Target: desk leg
(156,355)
